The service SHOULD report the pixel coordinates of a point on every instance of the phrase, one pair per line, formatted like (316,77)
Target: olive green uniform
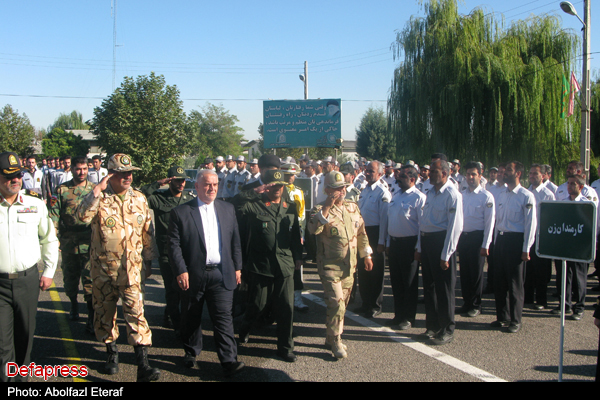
(270,235)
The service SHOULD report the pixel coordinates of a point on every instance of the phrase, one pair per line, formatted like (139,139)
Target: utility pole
(585,96)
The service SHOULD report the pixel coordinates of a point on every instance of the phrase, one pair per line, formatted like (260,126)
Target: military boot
(74,313)
(89,324)
(330,340)
(112,363)
(145,373)
(338,348)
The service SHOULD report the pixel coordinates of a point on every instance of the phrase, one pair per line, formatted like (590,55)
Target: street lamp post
(585,95)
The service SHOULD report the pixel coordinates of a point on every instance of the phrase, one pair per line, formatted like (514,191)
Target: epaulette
(33,194)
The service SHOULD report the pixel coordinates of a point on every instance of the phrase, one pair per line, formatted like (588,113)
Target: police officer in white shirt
(242,175)
(32,176)
(327,166)
(373,204)
(576,285)
(562,193)
(389,177)
(402,227)
(439,232)
(254,170)
(538,271)
(98,173)
(26,235)
(547,180)
(62,175)
(515,233)
(473,246)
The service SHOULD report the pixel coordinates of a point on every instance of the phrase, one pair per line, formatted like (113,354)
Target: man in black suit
(206,257)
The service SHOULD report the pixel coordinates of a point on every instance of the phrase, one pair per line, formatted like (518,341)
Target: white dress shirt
(373,204)
(516,212)
(443,211)
(212,233)
(404,213)
(479,213)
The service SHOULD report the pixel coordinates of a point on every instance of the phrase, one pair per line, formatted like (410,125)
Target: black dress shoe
(514,327)
(404,325)
(473,313)
(499,324)
(287,356)
(442,339)
(428,334)
(243,336)
(372,313)
(189,361)
(232,368)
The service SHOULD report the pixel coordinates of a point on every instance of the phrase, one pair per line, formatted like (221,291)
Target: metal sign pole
(563,290)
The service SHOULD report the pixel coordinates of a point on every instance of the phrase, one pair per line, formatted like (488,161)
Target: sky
(57,56)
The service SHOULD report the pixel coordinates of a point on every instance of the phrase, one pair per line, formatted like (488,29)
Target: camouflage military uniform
(339,236)
(122,239)
(74,238)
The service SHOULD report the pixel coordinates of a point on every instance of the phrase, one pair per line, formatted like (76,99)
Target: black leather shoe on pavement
(404,325)
(514,328)
(473,313)
(232,368)
(428,334)
(189,361)
(288,356)
(243,336)
(499,324)
(443,339)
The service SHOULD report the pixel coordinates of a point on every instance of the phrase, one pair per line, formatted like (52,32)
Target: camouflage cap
(177,172)
(121,163)
(335,179)
(10,165)
(273,176)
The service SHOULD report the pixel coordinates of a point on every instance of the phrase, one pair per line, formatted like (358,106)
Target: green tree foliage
(16,132)
(372,138)
(69,121)
(213,132)
(143,118)
(470,88)
(58,143)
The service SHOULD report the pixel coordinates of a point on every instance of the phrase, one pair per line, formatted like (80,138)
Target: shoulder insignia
(452,210)
(529,205)
(489,205)
(32,193)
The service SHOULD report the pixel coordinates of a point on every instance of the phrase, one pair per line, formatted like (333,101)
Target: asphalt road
(376,353)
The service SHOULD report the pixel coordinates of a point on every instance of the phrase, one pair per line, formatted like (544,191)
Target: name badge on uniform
(32,209)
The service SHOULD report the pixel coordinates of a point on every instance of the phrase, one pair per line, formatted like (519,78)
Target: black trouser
(404,277)
(18,307)
(279,293)
(172,294)
(538,274)
(576,288)
(220,302)
(438,284)
(509,276)
(490,262)
(370,283)
(471,269)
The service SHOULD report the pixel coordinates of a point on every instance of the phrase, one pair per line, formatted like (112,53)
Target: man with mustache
(75,239)
(26,236)
(122,245)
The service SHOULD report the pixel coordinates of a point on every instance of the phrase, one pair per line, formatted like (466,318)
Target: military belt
(20,274)
(398,238)
(426,234)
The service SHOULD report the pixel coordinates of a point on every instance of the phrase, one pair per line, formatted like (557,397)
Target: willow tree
(475,90)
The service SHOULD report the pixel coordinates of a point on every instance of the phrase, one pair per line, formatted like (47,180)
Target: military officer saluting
(162,202)
(26,236)
(122,244)
(340,232)
(271,250)
(75,238)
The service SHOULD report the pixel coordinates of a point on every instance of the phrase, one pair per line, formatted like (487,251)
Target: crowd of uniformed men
(358,213)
